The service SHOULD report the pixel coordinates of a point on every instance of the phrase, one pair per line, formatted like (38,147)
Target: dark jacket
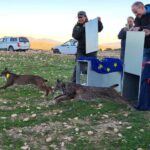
(122,37)
(79,35)
(144,23)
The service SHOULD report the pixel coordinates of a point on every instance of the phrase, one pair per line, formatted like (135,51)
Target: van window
(5,40)
(13,39)
(67,43)
(23,39)
(74,43)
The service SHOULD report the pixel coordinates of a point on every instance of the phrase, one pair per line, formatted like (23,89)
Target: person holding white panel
(79,34)
(122,36)
(142,23)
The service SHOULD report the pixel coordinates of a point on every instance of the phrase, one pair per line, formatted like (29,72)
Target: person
(122,36)
(142,23)
(79,34)
(143,103)
(147,32)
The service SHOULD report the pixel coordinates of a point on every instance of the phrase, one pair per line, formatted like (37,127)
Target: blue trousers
(144,98)
(146,54)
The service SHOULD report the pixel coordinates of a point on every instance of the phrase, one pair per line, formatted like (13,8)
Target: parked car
(14,43)
(69,47)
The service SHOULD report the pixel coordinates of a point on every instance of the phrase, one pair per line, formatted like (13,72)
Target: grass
(112,126)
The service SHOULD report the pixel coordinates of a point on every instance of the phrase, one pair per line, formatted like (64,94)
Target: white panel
(134,52)
(91,32)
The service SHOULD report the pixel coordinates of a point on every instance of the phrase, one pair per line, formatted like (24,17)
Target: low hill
(44,44)
(105,46)
(47,44)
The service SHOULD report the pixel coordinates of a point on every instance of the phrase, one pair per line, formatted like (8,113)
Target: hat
(81,13)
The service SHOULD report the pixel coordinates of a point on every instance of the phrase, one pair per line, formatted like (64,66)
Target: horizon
(55,20)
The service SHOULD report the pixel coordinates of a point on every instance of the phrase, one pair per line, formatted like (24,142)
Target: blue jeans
(146,54)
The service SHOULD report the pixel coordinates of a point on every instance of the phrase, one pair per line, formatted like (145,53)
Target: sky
(55,19)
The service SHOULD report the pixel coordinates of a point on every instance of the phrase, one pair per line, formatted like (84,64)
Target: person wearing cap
(79,34)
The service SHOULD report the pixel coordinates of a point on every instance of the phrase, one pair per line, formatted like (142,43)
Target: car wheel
(56,51)
(10,48)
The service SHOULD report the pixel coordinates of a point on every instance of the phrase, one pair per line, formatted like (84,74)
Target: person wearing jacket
(142,23)
(122,36)
(79,34)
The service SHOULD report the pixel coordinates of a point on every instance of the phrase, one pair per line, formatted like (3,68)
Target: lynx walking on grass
(13,79)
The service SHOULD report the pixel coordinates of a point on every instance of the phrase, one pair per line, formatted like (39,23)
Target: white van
(69,47)
(14,43)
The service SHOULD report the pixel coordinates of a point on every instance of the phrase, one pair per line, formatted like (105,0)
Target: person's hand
(147,32)
(125,29)
(135,29)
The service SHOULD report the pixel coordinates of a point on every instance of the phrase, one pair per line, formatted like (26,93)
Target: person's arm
(145,27)
(77,32)
(122,34)
(137,24)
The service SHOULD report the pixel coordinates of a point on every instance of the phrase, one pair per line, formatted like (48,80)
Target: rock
(49,139)
(140,149)
(67,126)
(20,131)
(60,111)
(116,130)
(130,127)
(39,108)
(76,118)
(90,132)
(53,146)
(124,141)
(126,114)
(68,139)
(26,119)
(99,106)
(13,115)
(76,129)
(119,134)
(55,113)
(33,116)
(141,130)
(25,147)
(107,132)
(43,96)
(62,144)
(69,119)
(64,123)
(3,118)
(105,116)
(120,123)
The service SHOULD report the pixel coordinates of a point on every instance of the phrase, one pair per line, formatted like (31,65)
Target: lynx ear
(6,68)
(58,81)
